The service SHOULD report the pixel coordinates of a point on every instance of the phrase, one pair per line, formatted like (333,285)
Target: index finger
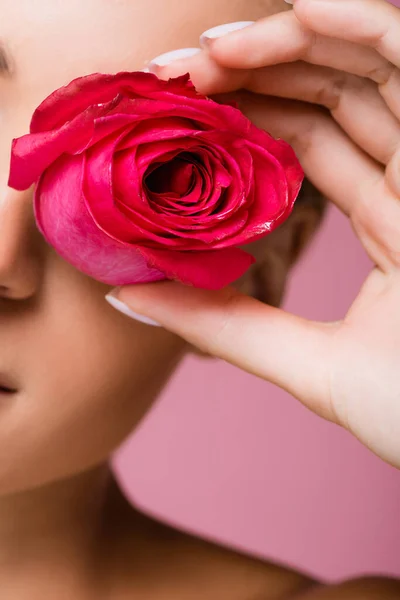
(209,77)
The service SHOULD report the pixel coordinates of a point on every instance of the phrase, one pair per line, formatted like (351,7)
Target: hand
(334,65)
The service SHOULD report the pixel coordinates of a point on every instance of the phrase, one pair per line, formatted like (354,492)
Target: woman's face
(84,374)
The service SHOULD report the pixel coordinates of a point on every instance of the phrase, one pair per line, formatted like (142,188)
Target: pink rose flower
(140,180)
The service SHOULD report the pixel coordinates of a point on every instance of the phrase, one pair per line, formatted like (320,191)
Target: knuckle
(310,44)
(230,301)
(332,90)
(304,138)
(389,87)
(362,211)
(376,217)
(382,74)
(393,173)
(365,209)
(380,39)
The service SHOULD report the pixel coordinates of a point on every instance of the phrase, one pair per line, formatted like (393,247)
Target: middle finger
(353,101)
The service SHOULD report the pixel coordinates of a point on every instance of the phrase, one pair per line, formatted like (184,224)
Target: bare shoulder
(243,576)
(142,554)
(227,574)
(366,588)
(235,575)
(168,562)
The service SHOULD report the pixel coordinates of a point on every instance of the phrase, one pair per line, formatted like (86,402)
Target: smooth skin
(84,375)
(333,69)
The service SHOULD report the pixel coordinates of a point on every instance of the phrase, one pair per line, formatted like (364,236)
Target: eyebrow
(4,63)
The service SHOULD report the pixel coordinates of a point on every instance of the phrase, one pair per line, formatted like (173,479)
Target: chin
(28,467)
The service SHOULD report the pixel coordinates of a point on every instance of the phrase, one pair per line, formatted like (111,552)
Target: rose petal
(64,221)
(73,99)
(97,189)
(284,154)
(33,154)
(211,270)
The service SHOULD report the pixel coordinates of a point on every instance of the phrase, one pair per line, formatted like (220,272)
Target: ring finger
(352,101)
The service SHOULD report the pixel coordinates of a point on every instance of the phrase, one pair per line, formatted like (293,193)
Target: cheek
(90,376)
(54,42)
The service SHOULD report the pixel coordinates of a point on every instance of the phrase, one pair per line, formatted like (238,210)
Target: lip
(7,386)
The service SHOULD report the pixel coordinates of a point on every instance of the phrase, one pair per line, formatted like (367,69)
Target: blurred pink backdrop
(234,459)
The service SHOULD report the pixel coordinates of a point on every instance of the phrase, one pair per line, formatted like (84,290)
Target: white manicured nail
(125,310)
(165,59)
(221,30)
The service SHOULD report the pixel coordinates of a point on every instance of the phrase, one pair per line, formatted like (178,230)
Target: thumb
(284,349)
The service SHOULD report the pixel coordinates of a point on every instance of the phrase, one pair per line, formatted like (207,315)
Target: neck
(53,529)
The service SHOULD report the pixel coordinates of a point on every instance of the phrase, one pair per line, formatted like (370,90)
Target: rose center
(175,178)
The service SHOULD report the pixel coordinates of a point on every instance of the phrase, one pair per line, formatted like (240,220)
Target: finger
(376,220)
(286,350)
(393,174)
(384,226)
(372,23)
(351,100)
(209,77)
(291,39)
(283,38)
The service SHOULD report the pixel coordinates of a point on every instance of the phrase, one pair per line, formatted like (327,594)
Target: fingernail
(165,59)
(221,30)
(289,1)
(125,310)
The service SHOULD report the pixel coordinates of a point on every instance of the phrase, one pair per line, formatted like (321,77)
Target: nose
(20,246)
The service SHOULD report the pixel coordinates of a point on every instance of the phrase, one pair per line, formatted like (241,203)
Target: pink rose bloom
(139,180)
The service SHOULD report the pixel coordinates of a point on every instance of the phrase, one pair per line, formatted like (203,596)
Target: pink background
(233,458)
(239,461)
